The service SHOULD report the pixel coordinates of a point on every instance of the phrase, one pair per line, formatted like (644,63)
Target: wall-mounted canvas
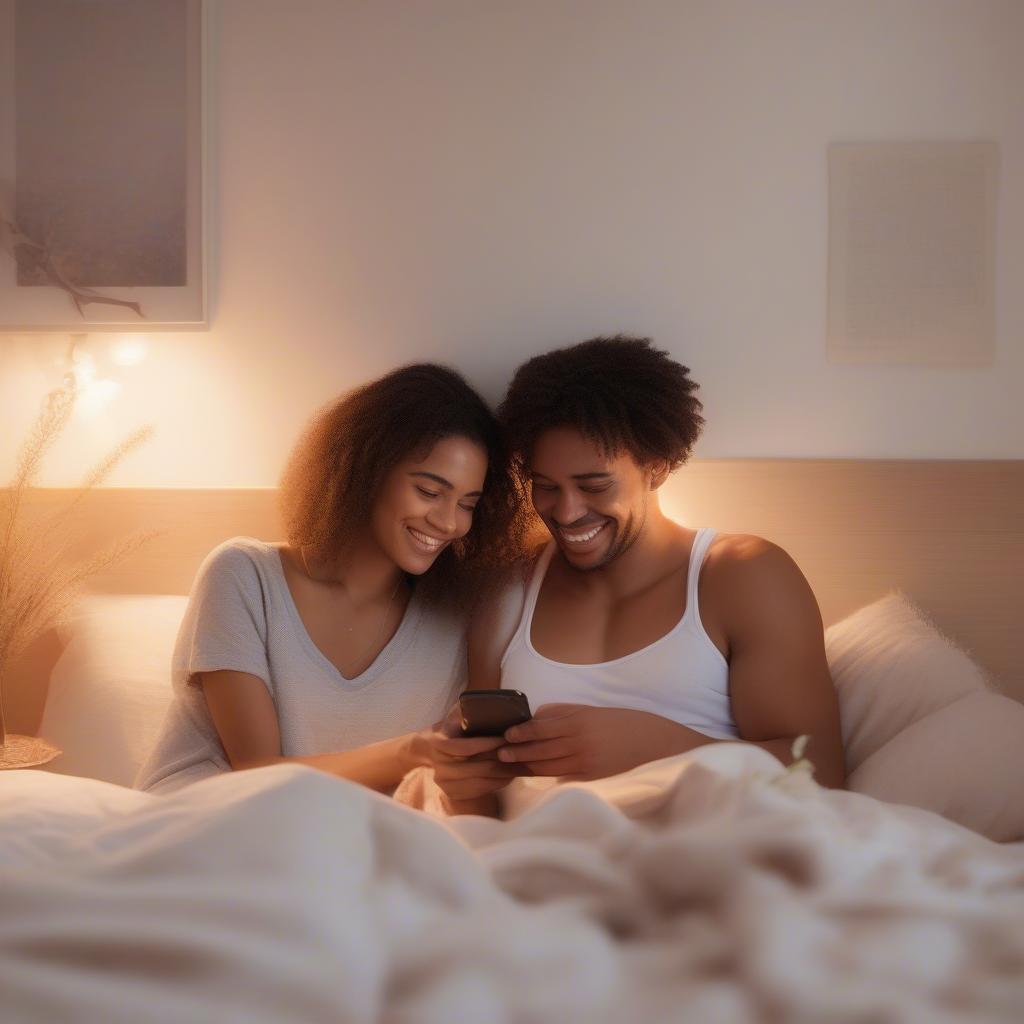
(912,252)
(102,157)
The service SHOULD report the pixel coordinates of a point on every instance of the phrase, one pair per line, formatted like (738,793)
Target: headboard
(949,534)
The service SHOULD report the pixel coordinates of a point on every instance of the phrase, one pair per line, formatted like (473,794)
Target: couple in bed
(407,576)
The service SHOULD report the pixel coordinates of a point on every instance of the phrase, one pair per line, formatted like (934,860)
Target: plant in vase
(39,575)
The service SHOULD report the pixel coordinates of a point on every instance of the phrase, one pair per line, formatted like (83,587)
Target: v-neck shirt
(241,615)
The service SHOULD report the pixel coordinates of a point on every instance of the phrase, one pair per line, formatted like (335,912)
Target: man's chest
(585,629)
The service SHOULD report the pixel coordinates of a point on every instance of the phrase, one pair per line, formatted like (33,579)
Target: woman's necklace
(387,608)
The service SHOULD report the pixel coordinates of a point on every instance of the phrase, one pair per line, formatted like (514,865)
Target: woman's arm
(244,715)
(246,721)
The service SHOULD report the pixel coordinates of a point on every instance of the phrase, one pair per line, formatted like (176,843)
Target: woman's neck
(365,573)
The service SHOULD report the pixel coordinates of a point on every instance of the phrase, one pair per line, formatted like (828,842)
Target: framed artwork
(912,252)
(103,196)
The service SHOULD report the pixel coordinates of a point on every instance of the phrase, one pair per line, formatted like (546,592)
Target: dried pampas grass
(39,576)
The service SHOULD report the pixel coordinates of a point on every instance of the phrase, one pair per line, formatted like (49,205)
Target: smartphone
(491,712)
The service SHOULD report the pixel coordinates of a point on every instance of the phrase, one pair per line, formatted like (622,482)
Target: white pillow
(964,761)
(111,687)
(892,667)
(921,724)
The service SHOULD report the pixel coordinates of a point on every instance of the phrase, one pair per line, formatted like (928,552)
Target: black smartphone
(491,712)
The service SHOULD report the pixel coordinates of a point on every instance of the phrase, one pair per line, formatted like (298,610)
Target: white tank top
(681,676)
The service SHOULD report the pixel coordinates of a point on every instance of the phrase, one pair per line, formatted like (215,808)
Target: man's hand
(465,768)
(579,742)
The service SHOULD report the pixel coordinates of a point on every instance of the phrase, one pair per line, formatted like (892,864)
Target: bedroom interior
(818,208)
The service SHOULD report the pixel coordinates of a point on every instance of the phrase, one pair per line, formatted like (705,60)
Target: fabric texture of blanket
(714,886)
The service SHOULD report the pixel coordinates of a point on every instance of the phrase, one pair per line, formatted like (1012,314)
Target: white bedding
(707,887)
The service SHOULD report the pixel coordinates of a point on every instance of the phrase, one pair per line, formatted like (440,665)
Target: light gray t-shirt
(241,616)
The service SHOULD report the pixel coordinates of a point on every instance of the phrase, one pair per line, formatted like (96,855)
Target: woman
(339,647)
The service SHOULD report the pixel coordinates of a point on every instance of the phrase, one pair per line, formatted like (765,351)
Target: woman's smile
(424,541)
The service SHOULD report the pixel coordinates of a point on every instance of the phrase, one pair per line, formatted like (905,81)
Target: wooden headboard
(948,534)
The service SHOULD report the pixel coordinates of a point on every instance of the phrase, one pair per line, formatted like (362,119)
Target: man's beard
(623,540)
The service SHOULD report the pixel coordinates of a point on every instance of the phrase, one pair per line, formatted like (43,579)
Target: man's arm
(779,681)
(491,628)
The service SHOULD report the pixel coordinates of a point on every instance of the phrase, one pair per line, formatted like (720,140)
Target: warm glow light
(95,396)
(91,395)
(674,503)
(129,350)
(83,369)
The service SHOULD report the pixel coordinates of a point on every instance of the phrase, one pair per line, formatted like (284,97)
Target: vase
(18,750)
(24,685)
(26,752)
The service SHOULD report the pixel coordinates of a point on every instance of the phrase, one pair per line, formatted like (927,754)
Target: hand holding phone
(491,712)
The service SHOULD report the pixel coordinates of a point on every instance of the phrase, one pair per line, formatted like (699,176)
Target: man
(636,637)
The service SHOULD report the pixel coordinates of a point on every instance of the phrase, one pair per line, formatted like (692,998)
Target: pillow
(111,686)
(892,667)
(964,761)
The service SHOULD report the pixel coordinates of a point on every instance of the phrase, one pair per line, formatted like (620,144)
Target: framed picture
(103,218)
(912,252)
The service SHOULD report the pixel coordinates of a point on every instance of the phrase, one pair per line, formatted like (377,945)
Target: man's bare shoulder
(732,553)
(492,625)
(753,580)
(745,563)
(508,583)
(495,617)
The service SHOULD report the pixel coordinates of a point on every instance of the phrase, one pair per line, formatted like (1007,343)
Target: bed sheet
(714,886)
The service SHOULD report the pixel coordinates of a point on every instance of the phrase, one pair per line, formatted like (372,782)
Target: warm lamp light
(91,395)
(129,350)
(95,396)
(674,508)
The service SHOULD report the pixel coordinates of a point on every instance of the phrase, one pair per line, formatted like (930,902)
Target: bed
(716,886)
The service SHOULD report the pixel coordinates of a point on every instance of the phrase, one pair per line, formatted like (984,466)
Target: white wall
(477,181)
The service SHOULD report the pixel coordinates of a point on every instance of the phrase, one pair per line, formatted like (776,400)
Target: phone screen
(491,712)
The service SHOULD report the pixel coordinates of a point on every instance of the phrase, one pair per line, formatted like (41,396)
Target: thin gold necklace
(387,608)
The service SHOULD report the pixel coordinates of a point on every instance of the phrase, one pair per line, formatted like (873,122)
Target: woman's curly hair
(620,392)
(335,472)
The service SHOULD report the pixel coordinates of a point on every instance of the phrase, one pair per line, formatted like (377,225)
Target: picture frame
(104,197)
(912,252)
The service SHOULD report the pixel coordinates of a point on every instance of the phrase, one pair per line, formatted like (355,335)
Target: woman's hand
(579,742)
(466,769)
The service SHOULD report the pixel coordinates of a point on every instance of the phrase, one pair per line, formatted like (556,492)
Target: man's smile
(578,537)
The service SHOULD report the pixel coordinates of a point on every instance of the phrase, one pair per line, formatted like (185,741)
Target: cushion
(892,667)
(112,684)
(922,725)
(964,761)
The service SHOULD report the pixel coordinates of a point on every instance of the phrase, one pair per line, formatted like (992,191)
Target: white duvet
(707,887)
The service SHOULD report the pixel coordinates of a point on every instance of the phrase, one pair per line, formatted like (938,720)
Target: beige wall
(476,181)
